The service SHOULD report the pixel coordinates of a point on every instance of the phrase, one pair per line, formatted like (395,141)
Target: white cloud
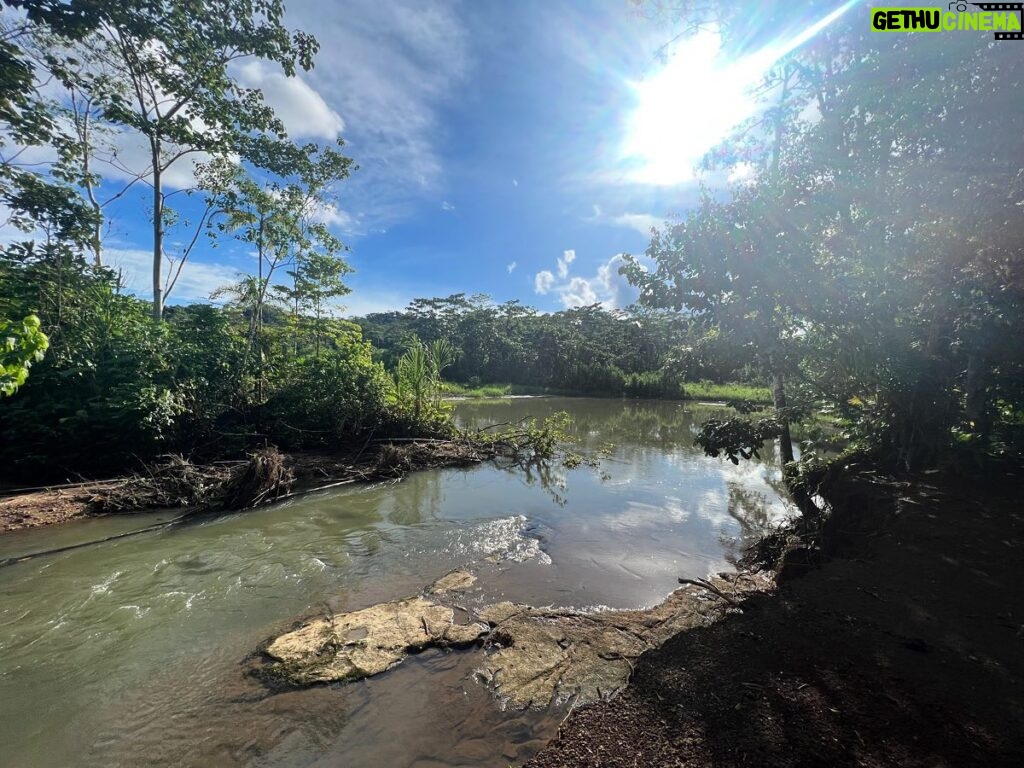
(578,293)
(333,216)
(607,287)
(446,206)
(388,68)
(303,111)
(198,280)
(511,267)
(639,222)
(515,182)
(568,257)
(543,281)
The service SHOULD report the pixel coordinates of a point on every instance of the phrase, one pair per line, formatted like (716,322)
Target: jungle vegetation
(868,266)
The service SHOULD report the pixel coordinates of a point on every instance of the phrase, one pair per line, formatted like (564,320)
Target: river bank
(901,645)
(263,477)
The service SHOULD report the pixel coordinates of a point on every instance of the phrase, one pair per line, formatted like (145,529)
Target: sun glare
(690,105)
(684,110)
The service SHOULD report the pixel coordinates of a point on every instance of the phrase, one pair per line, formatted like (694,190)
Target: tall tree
(161,70)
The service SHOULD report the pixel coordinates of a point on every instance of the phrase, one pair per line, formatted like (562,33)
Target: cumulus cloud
(511,267)
(333,216)
(304,112)
(543,281)
(577,293)
(568,257)
(607,287)
(446,206)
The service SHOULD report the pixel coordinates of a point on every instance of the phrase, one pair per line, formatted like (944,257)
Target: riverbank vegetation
(99,381)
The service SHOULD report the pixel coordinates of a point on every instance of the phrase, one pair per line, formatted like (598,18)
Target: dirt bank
(904,648)
(263,477)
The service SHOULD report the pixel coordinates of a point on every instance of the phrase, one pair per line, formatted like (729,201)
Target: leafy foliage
(20,346)
(736,438)
(117,387)
(589,350)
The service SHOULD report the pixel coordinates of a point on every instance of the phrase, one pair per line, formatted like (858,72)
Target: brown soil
(904,648)
(196,489)
(45,507)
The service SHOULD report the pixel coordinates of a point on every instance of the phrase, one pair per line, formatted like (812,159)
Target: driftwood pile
(269,475)
(177,482)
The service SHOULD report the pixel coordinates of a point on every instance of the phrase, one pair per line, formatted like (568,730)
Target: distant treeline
(591,350)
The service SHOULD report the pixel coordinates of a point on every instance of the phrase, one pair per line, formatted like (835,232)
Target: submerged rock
(454,581)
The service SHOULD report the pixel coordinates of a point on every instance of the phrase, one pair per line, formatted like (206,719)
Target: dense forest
(586,350)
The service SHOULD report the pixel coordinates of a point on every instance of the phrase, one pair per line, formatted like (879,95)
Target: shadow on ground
(906,648)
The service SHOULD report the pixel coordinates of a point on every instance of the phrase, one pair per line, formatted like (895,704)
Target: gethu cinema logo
(1001,18)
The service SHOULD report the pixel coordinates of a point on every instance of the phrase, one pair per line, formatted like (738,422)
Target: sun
(685,109)
(692,103)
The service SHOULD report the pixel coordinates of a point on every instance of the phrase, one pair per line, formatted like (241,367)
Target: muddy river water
(131,652)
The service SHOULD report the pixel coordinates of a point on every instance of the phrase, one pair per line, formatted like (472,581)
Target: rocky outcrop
(539,655)
(532,656)
(351,646)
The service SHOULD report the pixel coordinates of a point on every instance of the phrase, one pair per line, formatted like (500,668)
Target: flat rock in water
(536,655)
(351,646)
(546,655)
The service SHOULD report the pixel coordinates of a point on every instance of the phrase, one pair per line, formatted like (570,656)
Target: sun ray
(686,108)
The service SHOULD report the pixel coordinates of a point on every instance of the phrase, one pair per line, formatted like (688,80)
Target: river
(130,653)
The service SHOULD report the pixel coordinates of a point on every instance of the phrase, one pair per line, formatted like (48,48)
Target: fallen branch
(711,588)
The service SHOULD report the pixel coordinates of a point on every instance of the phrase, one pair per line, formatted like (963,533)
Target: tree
(161,70)
(29,120)
(281,217)
(419,373)
(874,255)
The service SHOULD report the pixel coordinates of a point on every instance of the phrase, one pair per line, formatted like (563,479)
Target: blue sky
(508,148)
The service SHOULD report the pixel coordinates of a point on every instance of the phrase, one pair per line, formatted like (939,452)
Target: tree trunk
(158,239)
(779,400)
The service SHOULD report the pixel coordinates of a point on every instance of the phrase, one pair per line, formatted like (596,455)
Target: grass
(703,390)
(706,390)
(451,389)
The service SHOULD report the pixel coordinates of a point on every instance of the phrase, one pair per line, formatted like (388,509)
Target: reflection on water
(129,652)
